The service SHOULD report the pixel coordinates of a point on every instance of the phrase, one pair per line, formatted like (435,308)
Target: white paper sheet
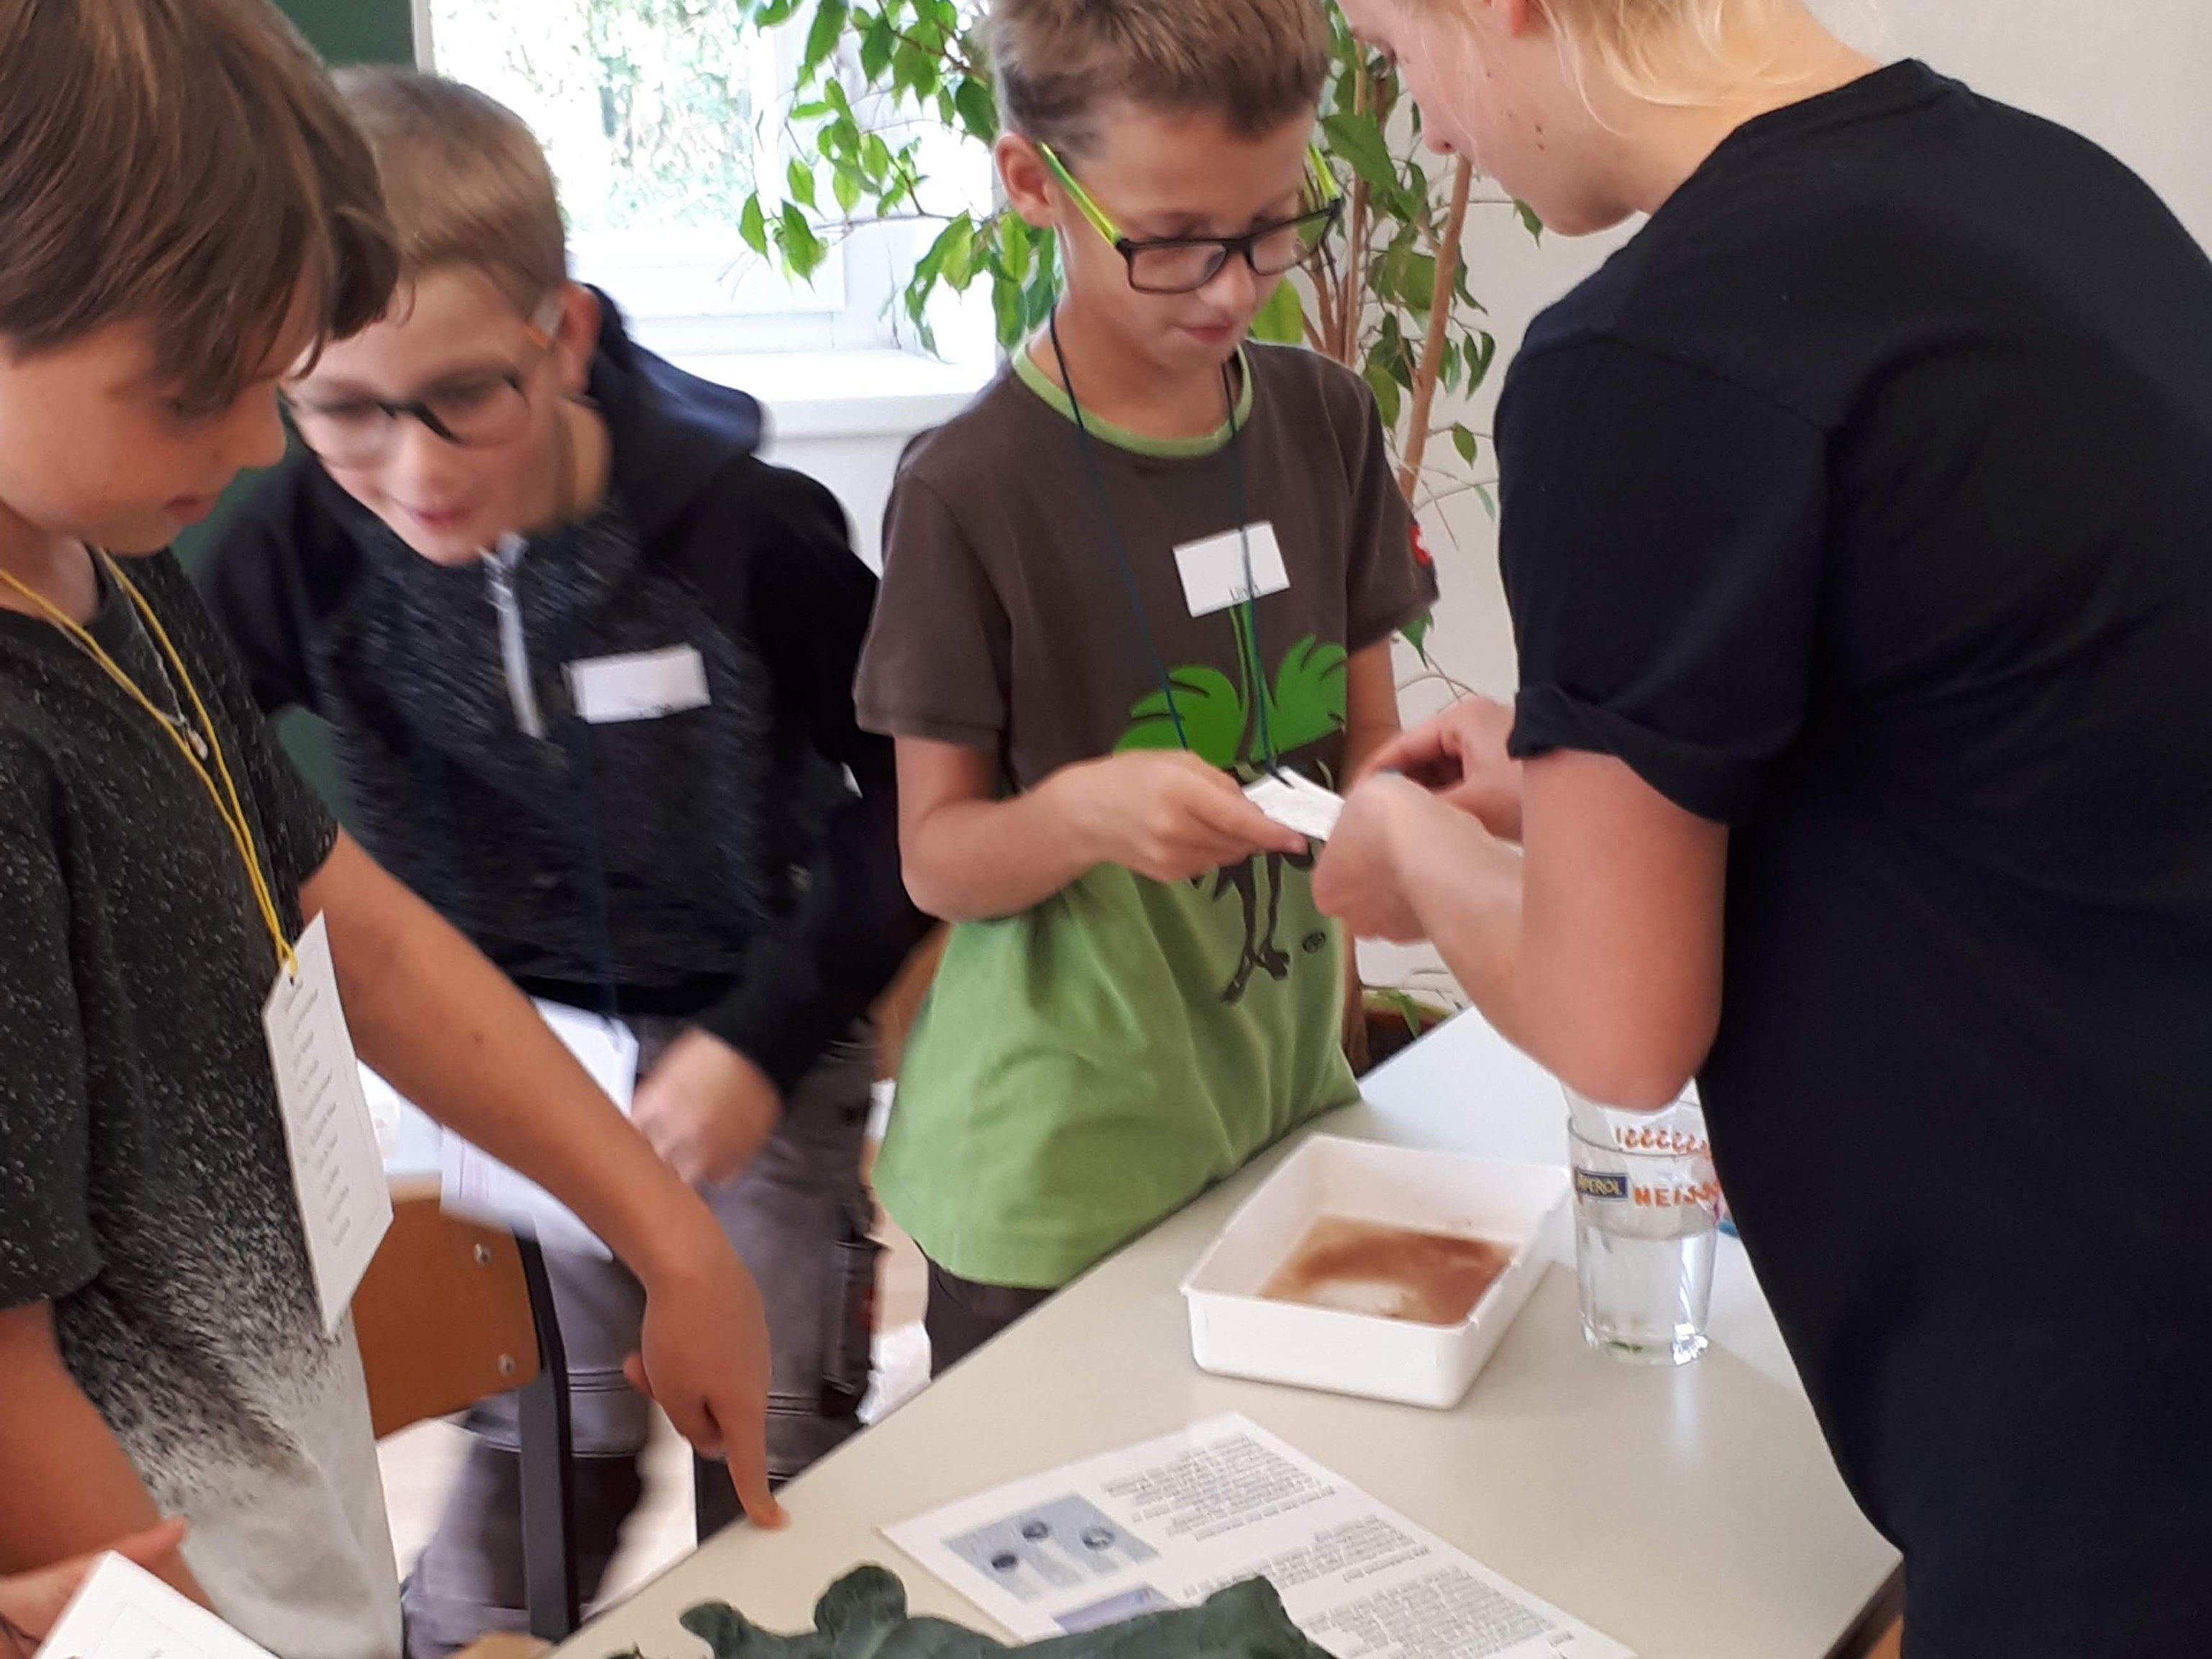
(123,1612)
(1297,803)
(1167,1523)
(337,1176)
(473,1184)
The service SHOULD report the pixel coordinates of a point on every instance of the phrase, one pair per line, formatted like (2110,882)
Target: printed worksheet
(1167,1523)
(122,1611)
(473,1184)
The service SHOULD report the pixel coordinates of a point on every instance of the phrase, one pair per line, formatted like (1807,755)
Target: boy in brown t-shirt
(1139,993)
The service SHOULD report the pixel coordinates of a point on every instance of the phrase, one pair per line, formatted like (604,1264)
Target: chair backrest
(443,1316)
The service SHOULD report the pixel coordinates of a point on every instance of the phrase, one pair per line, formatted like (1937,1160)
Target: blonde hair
(1652,49)
(1256,62)
(465,180)
(185,164)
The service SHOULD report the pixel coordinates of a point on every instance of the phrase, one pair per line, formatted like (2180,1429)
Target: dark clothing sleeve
(940,658)
(251,580)
(810,976)
(1662,540)
(47,1246)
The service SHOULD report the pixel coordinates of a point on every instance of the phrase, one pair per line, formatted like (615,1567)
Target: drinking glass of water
(1646,1216)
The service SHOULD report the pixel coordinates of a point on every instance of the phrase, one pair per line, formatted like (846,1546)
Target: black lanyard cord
(1247,634)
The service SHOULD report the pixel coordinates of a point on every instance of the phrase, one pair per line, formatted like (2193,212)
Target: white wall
(2135,76)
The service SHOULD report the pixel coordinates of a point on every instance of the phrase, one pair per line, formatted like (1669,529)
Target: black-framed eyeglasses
(476,410)
(1183,264)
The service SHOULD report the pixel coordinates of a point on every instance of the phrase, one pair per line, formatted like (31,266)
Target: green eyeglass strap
(1325,186)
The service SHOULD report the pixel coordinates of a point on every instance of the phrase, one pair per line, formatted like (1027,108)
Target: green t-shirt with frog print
(1084,1068)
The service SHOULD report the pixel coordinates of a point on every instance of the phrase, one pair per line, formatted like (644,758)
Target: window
(658,116)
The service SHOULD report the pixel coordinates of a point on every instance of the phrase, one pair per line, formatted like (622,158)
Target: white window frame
(828,366)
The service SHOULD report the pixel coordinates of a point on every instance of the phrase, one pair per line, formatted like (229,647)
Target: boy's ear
(1028,183)
(576,337)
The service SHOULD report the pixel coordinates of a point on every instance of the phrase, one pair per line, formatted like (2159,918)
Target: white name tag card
(639,686)
(1213,568)
(337,1172)
(122,1611)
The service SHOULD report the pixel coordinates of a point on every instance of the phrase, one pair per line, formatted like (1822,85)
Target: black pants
(963,1316)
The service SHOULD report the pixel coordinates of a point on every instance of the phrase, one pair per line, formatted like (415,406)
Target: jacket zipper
(500,566)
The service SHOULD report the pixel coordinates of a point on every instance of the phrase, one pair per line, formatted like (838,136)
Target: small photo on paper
(1114,1610)
(1050,1547)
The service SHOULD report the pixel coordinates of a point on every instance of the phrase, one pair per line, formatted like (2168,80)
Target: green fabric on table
(864,1616)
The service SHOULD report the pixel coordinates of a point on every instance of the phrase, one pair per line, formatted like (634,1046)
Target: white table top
(1692,1514)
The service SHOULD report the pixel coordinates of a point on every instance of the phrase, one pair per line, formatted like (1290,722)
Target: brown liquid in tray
(1396,1272)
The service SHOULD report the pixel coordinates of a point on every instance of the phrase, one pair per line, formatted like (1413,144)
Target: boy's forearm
(451,1032)
(1370,707)
(975,860)
(71,1488)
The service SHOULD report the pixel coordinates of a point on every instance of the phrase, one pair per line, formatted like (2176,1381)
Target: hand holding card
(1297,803)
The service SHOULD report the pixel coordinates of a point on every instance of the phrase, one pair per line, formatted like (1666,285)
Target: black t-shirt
(1863,503)
(145,1186)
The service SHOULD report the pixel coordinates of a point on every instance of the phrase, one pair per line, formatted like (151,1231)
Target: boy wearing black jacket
(588,663)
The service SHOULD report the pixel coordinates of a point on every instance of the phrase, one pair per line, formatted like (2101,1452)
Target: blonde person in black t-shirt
(1853,525)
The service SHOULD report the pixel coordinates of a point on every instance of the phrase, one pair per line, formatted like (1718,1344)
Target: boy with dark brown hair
(588,663)
(1150,560)
(185,212)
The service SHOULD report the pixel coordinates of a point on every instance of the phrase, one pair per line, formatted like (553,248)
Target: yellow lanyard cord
(231,810)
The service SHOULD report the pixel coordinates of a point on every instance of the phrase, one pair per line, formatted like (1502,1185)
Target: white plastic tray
(1234,1332)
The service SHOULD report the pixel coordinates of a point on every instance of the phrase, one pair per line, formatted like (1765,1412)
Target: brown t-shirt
(1005,621)
(1085,1067)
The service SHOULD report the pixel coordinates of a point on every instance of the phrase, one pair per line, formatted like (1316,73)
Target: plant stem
(1348,305)
(1432,342)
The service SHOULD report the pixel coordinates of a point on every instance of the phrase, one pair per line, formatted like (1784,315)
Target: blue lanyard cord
(1248,636)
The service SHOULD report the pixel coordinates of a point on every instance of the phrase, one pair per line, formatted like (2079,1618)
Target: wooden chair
(450,1313)
(1879,1632)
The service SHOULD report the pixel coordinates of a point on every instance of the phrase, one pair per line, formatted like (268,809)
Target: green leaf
(1308,701)
(979,110)
(1385,389)
(1417,634)
(1465,441)
(878,41)
(1007,314)
(801,178)
(822,38)
(1037,301)
(1214,710)
(1017,247)
(752,225)
(957,245)
(1489,501)
(876,159)
(845,184)
(1527,217)
(1282,320)
(802,249)
(1359,141)
(1481,351)
(913,68)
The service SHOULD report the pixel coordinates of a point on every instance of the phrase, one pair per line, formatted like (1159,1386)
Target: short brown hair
(465,181)
(186,164)
(1257,62)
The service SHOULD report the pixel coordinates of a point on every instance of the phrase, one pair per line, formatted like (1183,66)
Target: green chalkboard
(356,31)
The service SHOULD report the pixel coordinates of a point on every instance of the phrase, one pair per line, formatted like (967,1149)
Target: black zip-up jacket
(736,863)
